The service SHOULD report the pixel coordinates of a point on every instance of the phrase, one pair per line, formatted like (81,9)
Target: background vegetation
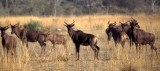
(33,25)
(77,7)
(91,16)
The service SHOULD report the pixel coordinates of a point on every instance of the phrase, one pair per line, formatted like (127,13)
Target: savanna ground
(111,58)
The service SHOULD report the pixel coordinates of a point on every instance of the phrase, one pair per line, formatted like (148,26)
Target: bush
(33,25)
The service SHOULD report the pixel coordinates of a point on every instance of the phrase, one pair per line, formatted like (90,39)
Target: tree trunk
(153,5)
(55,8)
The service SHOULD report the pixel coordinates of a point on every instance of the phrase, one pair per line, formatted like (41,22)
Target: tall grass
(111,58)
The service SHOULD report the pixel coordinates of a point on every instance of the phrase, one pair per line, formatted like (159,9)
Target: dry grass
(111,58)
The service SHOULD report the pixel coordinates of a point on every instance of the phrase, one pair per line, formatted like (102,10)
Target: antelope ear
(0,27)
(120,22)
(108,22)
(114,23)
(132,18)
(11,25)
(137,26)
(72,24)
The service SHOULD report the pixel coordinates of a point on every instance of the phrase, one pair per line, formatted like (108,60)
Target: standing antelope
(140,37)
(80,38)
(8,42)
(57,39)
(119,36)
(27,35)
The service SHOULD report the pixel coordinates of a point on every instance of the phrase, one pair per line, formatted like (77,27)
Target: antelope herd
(128,31)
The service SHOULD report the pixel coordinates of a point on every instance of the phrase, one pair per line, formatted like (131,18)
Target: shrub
(33,25)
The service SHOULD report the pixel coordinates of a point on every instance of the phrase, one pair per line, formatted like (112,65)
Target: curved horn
(11,25)
(65,22)
(73,22)
(120,22)
(132,18)
(108,22)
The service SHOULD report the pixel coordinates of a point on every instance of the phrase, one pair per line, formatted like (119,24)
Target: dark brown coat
(127,29)
(140,37)
(27,35)
(80,38)
(119,36)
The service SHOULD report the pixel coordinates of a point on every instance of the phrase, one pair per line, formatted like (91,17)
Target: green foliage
(33,25)
(76,7)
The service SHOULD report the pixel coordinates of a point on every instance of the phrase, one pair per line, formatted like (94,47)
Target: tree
(153,4)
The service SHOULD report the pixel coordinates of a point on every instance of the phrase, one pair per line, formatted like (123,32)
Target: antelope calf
(8,42)
(57,39)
